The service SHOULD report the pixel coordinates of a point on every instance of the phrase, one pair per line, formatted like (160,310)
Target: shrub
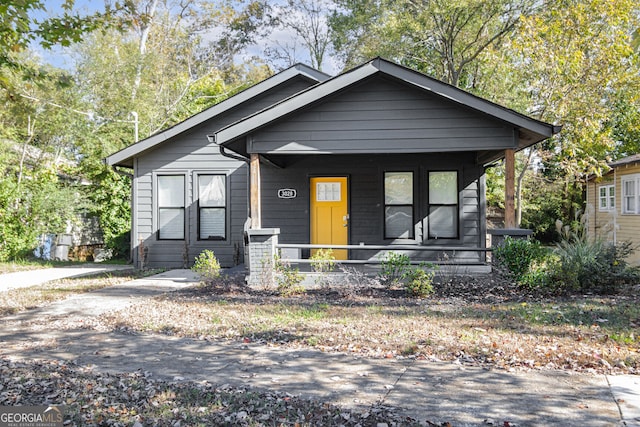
(323,261)
(519,257)
(393,269)
(592,265)
(288,279)
(207,265)
(419,282)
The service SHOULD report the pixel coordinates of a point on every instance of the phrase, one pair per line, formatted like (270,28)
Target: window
(607,200)
(631,194)
(212,207)
(398,205)
(443,205)
(170,207)
(328,192)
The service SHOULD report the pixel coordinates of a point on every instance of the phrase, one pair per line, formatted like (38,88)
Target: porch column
(256,209)
(509,189)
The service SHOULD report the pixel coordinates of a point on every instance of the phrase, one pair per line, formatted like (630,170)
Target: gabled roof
(125,156)
(531,130)
(625,161)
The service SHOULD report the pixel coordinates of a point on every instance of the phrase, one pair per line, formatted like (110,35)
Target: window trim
(609,205)
(428,236)
(158,207)
(635,179)
(199,208)
(412,232)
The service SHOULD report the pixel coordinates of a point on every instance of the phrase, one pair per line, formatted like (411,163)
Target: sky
(61,57)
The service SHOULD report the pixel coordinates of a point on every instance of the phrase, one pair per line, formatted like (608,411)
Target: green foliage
(19,28)
(110,196)
(323,261)
(587,265)
(443,38)
(38,205)
(288,279)
(518,256)
(419,282)
(206,265)
(547,200)
(394,268)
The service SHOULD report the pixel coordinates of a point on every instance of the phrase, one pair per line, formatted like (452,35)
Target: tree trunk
(142,47)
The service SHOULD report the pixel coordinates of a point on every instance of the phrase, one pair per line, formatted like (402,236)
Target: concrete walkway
(427,391)
(23,279)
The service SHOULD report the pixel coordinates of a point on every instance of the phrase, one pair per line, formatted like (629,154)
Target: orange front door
(329,213)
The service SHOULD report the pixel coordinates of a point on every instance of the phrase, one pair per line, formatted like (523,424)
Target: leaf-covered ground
(474,321)
(480,321)
(136,399)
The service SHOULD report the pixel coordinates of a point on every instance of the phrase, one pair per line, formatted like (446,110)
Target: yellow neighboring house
(613,204)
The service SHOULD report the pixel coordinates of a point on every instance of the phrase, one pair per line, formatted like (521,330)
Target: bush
(592,266)
(393,269)
(419,282)
(323,261)
(519,257)
(288,279)
(207,265)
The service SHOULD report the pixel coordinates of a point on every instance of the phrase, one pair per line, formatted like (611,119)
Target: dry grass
(594,334)
(18,300)
(22,265)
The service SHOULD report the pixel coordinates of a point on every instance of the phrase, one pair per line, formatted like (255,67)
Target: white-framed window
(443,205)
(631,194)
(398,205)
(171,207)
(606,197)
(212,206)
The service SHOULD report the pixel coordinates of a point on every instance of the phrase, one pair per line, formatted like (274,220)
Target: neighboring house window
(398,205)
(607,200)
(212,207)
(171,207)
(631,194)
(443,205)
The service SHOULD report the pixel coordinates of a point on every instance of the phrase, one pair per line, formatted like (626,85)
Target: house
(189,194)
(375,159)
(613,202)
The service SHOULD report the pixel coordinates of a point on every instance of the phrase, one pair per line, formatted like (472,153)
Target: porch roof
(529,131)
(125,156)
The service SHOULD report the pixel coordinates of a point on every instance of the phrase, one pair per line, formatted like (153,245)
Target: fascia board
(441,89)
(466,99)
(199,118)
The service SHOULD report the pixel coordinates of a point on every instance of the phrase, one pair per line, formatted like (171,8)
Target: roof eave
(125,156)
(234,131)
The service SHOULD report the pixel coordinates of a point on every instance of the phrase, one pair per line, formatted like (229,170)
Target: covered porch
(378,159)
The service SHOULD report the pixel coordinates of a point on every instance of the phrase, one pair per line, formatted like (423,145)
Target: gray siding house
(378,158)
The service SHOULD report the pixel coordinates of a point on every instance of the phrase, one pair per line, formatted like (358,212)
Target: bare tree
(307,20)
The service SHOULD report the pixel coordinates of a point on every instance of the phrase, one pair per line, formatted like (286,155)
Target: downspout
(234,156)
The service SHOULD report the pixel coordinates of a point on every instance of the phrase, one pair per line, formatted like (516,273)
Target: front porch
(263,248)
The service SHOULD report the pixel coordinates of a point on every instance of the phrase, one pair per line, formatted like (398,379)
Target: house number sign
(287,193)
